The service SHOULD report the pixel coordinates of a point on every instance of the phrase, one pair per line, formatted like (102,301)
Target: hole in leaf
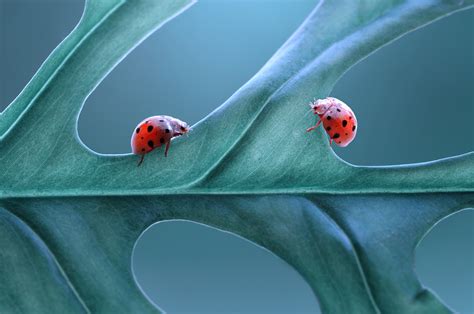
(186,267)
(413,98)
(445,261)
(188,67)
(29,31)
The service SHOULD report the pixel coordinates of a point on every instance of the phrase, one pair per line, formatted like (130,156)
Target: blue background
(414,101)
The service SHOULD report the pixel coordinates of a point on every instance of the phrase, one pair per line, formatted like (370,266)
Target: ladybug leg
(313,127)
(141,160)
(167,148)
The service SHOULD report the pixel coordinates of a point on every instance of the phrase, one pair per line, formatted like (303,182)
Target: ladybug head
(320,106)
(184,128)
(179,127)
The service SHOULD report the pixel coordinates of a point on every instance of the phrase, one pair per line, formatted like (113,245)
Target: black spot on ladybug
(344,123)
(353,128)
(167,130)
(143,149)
(151,144)
(138,130)
(328,117)
(336,135)
(162,120)
(338,110)
(350,118)
(150,128)
(162,140)
(339,142)
(328,128)
(142,137)
(346,134)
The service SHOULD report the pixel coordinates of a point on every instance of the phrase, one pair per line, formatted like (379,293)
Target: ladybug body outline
(337,118)
(154,132)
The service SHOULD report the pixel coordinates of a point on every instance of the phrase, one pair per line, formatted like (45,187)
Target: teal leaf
(69,217)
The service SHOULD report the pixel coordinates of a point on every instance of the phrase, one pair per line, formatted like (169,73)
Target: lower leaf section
(31,280)
(355,251)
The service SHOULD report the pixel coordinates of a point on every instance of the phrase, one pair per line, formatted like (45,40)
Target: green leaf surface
(69,218)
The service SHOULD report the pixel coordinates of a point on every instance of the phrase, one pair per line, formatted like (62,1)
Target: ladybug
(154,132)
(338,119)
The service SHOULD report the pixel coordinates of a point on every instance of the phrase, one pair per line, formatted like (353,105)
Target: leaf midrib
(205,192)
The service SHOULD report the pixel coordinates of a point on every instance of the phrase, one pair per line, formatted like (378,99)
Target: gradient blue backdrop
(413,99)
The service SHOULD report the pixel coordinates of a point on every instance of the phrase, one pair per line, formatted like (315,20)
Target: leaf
(70,217)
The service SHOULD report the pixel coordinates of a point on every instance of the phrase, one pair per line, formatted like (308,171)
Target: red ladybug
(154,132)
(338,119)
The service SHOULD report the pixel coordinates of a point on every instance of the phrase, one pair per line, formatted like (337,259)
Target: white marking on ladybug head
(320,106)
(179,127)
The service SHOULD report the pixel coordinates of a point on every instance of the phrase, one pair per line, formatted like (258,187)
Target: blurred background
(414,101)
